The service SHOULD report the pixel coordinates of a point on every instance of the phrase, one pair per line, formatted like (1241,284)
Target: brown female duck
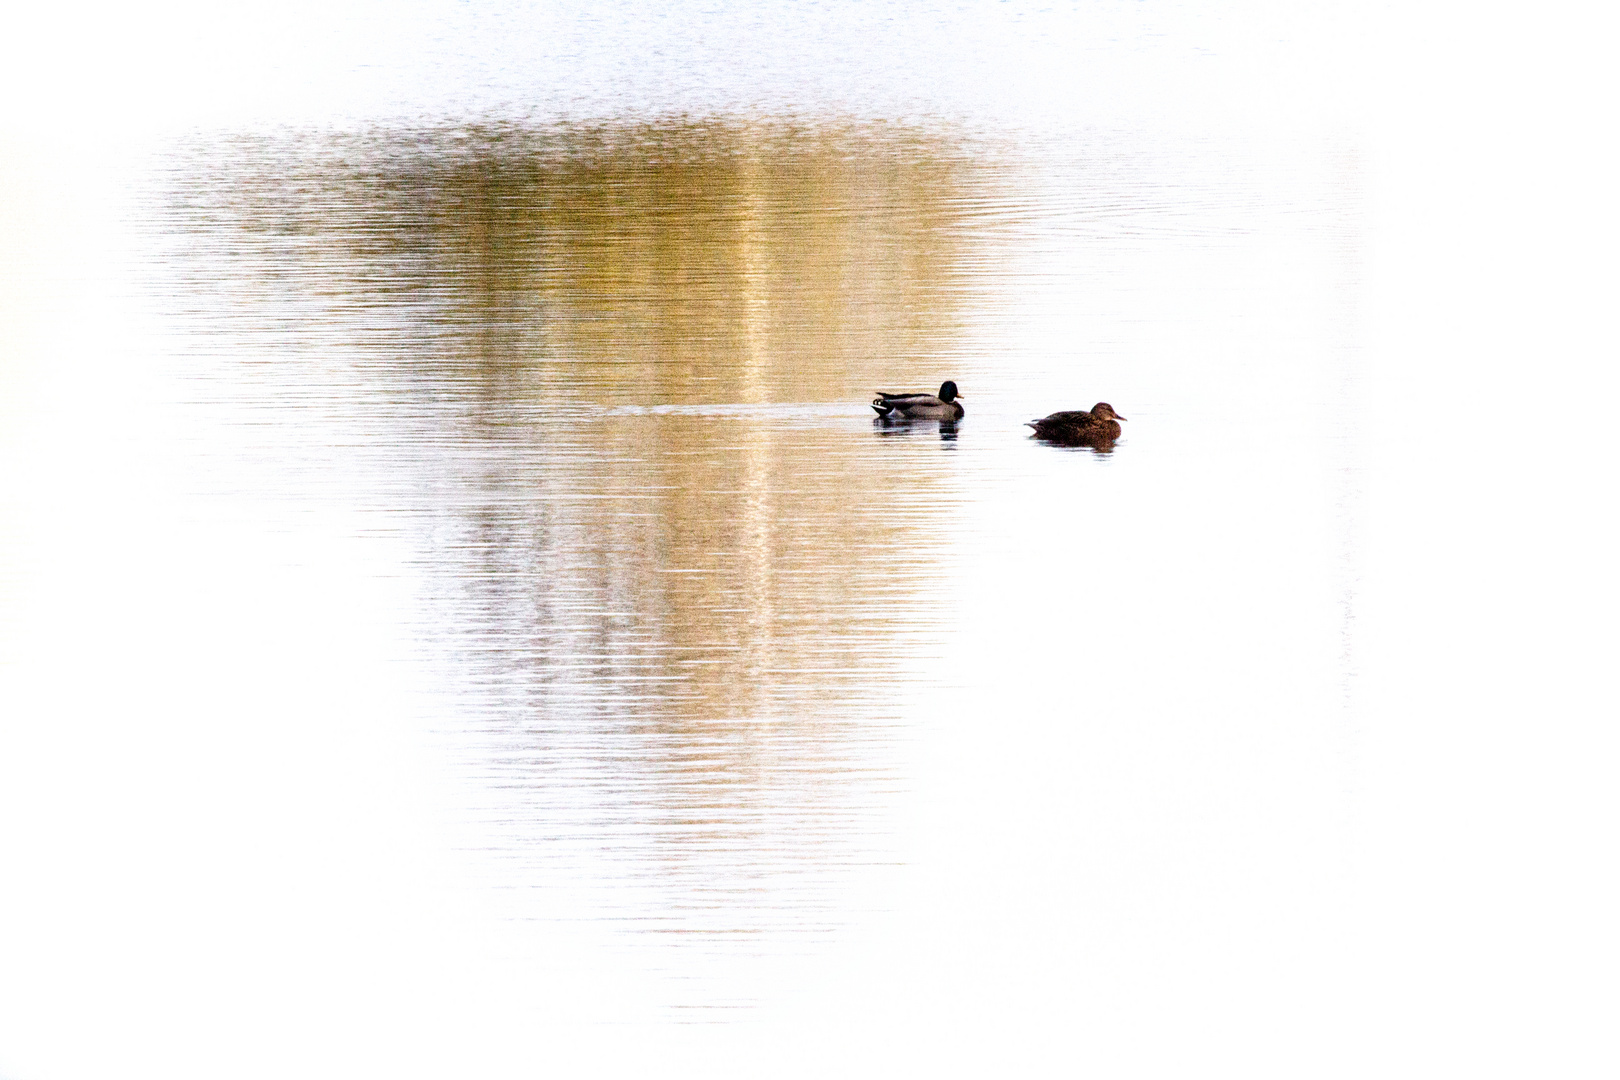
(1080,428)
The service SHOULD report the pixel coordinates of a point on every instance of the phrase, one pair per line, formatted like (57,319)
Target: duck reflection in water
(891,429)
(1096,429)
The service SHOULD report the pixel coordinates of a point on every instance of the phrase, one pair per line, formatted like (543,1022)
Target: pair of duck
(1099,425)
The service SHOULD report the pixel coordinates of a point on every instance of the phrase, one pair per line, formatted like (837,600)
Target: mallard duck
(920,406)
(1100,425)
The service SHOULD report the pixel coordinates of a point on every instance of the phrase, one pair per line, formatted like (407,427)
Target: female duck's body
(944,406)
(1100,425)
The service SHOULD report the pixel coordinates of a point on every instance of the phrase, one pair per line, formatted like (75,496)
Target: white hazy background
(1482,936)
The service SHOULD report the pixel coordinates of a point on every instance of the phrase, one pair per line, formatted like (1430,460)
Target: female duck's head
(1105,411)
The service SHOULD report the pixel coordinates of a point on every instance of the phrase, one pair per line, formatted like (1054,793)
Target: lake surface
(468,619)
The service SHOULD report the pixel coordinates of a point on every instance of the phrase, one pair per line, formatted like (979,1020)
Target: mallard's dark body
(1098,427)
(944,406)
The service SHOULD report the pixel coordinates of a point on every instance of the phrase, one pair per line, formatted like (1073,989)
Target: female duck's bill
(1097,428)
(943,406)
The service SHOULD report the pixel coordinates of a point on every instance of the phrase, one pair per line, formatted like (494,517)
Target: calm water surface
(461,599)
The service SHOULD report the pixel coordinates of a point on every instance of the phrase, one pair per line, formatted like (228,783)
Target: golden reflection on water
(461,576)
(613,381)
(709,263)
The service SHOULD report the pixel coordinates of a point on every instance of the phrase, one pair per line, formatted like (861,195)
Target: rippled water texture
(460,589)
